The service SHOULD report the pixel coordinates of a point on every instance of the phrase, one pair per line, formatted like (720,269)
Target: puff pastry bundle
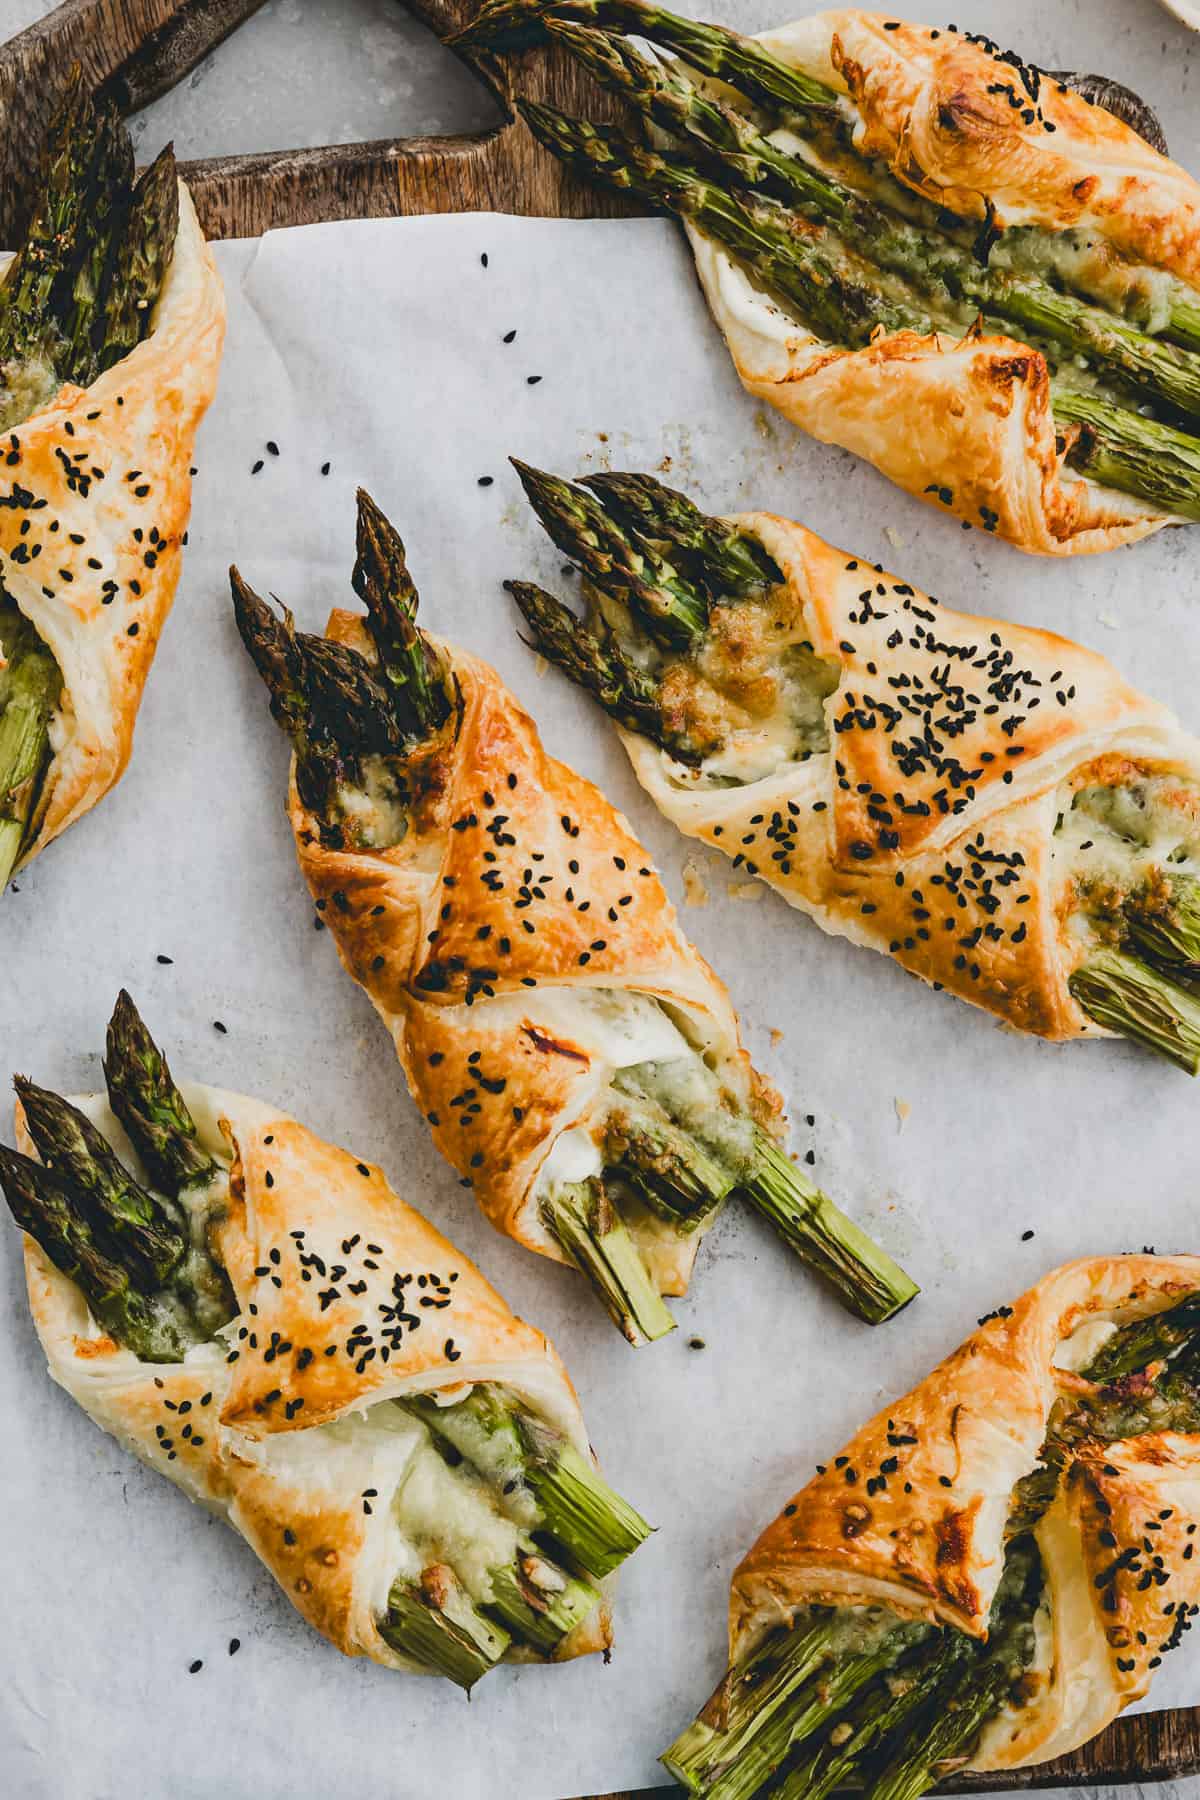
(990,1570)
(111,325)
(259,1317)
(578,1062)
(991,805)
(919,247)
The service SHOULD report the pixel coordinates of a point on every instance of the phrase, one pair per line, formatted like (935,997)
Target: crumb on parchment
(695,888)
(744,890)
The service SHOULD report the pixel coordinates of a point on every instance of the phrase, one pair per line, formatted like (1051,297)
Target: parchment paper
(379,348)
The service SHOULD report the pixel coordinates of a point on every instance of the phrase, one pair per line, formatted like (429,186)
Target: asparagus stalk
(864,1276)
(146,1232)
(539,1602)
(110,187)
(448,1635)
(931,262)
(30,688)
(1121,449)
(587,1227)
(673,1172)
(1160,1337)
(153,1326)
(746,1701)
(1166,925)
(150,1106)
(407,659)
(727,559)
(734,59)
(516,1451)
(600,666)
(882,1714)
(675,612)
(579,1510)
(28,329)
(781,1713)
(847,306)
(956,1721)
(1130,997)
(137,269)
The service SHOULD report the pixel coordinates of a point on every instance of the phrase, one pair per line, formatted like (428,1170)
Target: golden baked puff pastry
(579,1063)
(991,805)
(259,1317)
(112,320)
(918,247)
(991,1570)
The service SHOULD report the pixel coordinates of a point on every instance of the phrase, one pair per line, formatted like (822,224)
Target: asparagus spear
(675,612)
(583,1221)
(864,1276)
(150,1106)
(30,688)
(732,58)
(625,692)
(846,305)
(1166,925)
(334,706)
(539,1602)
(28,329)
(408,661)
(517,1452)
(1121,449)
(931,262)
(140,261)
(727,559)
(145,1231)
(670,1168)
(1159,1337)
(110,186)
(1138,1001)
(153,1326)
(448,1633)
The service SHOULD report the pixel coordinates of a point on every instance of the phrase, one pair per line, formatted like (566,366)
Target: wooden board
(138,49)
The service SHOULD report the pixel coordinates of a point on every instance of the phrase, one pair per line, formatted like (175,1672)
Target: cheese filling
(1126,842)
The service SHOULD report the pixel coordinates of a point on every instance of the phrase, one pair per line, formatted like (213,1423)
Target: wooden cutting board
(137,50)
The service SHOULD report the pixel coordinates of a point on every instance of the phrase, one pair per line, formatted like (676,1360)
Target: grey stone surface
(307,72)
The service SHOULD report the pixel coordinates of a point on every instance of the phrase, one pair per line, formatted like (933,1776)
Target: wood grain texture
(137,49)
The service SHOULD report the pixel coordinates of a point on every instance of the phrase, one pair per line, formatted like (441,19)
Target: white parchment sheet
(379,348)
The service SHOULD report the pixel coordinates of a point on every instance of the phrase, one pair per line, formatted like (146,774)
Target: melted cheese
(1074,1353)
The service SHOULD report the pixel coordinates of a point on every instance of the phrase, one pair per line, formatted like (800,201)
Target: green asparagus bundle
(849,253)
(76,297)
(375,734)
(143,1257)
(858,1696)
(651,559)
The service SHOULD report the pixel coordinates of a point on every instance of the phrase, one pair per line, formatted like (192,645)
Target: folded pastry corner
(992,805)
(112,320)
(990,1571)
(919,247)
(257,1315)
(578,1062)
